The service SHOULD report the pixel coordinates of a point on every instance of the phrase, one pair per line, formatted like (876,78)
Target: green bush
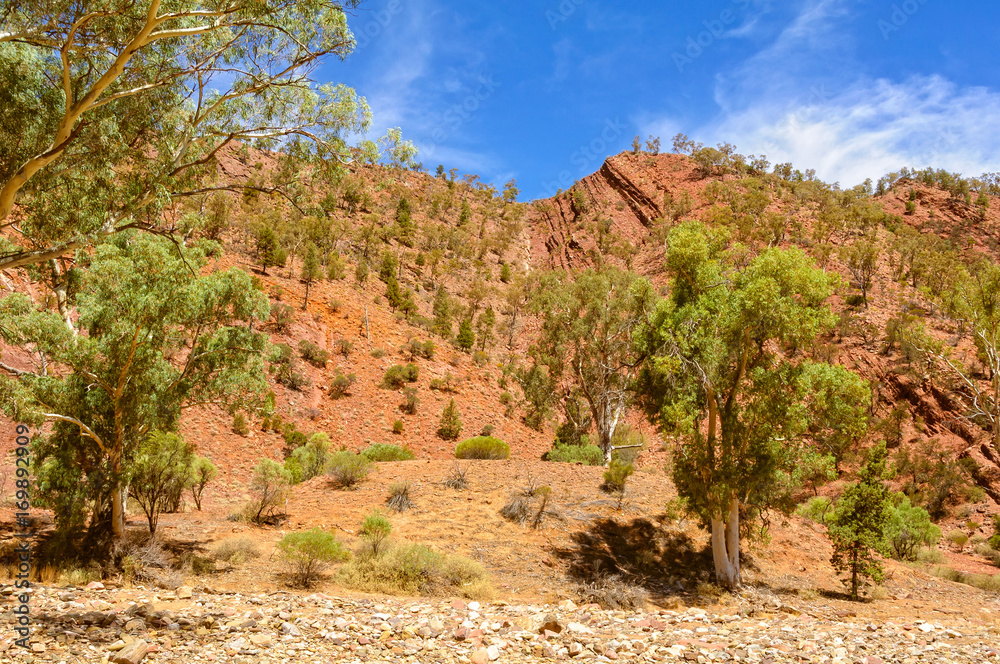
(908,529)
(269,491)
(313,354)
(482,447)
(387,452)
(398,375)
(818,509)
(588,455)
(450,426)
(616,475)
(309,553)
(410,401)
(340,386)
(958,538)
(375,530)
(240,426)
(416,569)
(398,427)
(347,468)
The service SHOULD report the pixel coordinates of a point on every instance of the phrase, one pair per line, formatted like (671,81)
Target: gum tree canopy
(729,378)
(154,338)
(114,108)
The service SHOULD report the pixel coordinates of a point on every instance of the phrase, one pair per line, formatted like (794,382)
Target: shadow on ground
(644,552)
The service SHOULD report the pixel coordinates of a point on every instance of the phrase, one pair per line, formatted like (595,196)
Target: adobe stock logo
(696,45)
(587,158)
(900,16)
(458,114)
(380,21)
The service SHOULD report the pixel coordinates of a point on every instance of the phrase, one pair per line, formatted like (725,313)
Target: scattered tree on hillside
(162,468)
(269,252)
(588,337)
(311,271)
(450,427)
(721,379)
(121,377)
(466,338)
(858,526)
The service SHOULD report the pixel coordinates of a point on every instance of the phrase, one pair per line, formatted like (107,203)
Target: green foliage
(590,333)
(269,252)
(348,469)
(309,460)
(818,509)
(398,427)
(311,271)
(203,471)
(240,426)
(466,338)
(269,492)
(450,426)
(340,386)
(397,376)
(138,301)
(344,347)
(410,401)
(482,447)
(161,472)
(386,452)
(588,455)
(722,377)
(446,384)
(375,530)
(313,354)
(283,367)
(336,269)
(443,311)
(416,349)
(932,477)
(282,317)
(309,552)
(416,569)
(858,526)
(81,97)
(505,273)
(616,476)
(909,527)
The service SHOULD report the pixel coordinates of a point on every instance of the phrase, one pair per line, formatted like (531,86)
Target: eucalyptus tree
(726,377)
(114,109)
(152,339)
(590,325)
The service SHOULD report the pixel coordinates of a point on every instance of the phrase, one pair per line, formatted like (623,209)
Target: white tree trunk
(726,547)
(118,513)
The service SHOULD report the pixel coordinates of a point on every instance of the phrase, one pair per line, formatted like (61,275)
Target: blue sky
(544,91)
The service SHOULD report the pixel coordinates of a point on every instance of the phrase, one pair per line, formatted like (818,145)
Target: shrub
(614,593)
(480,359)
(397,376)
(340,386)
(203,471)
(269,491)
(282,316)
(344,347)
(283,367)
(588,455)
(986,551)
(958,538)
(235,550)
(308,461)
(930,556)
(347,468)
(309,553)
(377,353)
(386,452)
(517,508)
(417,348)
(410,401)
(482,447)
(416,569)
(397,427)
(908,529)
(457,479)
(818,509)
(450,426)
(446,384)
(616,475)
(399,497)
(375,530)
(240,426)
(160,473)
(313,354)
(487,430)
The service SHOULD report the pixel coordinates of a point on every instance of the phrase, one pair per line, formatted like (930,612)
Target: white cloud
(801,99)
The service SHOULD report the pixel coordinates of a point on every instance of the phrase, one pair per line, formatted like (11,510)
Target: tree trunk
(117,513)
(726,546)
